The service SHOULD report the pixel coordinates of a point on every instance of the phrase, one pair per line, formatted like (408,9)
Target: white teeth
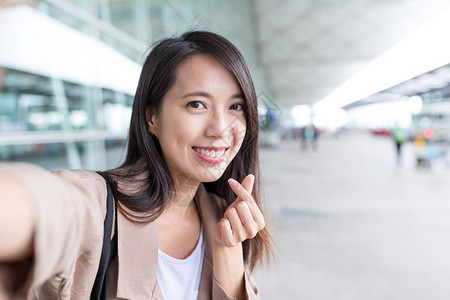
(211,153)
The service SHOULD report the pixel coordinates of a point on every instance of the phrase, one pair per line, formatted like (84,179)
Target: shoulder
(27,170)
(89,183)
(89,179)
(84,175)
(52,188)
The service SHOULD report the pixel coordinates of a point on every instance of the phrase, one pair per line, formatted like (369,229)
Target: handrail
(48,137)
(94,21)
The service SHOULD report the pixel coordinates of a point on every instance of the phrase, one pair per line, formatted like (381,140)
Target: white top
(180,278)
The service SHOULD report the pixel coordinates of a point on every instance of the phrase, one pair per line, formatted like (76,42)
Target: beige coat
(70,208)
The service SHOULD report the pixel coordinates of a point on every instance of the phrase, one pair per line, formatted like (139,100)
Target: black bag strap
(109,249)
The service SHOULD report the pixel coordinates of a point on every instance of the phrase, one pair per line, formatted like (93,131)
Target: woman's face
(201,124)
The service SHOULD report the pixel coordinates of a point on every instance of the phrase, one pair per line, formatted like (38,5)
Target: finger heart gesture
(243,218)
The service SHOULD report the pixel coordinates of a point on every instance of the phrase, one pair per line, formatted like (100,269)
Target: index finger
(244,194)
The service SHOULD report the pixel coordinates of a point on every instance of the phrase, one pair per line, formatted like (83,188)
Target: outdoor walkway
(352,224)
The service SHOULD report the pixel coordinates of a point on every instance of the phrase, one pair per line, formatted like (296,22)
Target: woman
(189,223)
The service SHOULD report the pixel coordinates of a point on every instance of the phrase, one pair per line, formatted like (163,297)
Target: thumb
(248,183)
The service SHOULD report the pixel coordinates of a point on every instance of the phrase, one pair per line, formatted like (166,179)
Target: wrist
(228,265)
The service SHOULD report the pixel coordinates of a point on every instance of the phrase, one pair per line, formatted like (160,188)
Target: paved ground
(352,224)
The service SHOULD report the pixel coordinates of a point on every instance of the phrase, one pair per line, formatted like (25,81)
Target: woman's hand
(243,218)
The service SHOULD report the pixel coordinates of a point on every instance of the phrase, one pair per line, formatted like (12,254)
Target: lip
(208,159)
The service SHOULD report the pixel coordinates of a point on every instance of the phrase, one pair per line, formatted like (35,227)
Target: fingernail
(232,182)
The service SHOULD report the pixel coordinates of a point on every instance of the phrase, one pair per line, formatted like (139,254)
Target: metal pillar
(73,155)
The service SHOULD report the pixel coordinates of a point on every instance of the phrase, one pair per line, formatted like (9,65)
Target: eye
(237,106)
(196,104)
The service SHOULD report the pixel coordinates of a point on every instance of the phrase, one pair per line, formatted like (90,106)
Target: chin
(211,176)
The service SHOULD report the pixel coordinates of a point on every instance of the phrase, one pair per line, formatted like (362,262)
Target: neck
(183,197)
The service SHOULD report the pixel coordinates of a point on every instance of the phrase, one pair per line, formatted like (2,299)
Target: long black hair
(144,169)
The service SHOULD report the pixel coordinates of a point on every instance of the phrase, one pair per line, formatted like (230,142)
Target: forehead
(204,72)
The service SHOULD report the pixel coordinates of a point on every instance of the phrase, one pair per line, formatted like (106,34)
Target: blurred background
(354,107)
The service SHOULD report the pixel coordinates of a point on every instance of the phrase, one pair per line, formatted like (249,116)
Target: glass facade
(67,84)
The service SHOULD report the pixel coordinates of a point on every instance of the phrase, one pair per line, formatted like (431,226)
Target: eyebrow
(206,95)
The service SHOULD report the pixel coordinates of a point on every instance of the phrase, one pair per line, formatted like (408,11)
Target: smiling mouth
(211,153)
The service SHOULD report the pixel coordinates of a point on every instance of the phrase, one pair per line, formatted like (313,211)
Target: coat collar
(138,253)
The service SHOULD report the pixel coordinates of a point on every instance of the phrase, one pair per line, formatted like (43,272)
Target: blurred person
(309,135)
(188,221)
(399,135)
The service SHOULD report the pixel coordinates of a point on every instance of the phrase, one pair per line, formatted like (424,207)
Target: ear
(150,117)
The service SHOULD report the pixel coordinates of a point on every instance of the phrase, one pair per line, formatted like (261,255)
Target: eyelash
(195,102)
(241,104)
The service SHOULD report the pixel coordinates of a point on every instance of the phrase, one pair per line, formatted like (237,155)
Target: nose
(218,125)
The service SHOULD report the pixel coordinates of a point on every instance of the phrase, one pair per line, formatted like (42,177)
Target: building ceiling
(435,80)
(310,47)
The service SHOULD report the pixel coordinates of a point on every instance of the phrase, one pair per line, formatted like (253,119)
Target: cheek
(184,133)
(189,128)
(242,129)
(242,135)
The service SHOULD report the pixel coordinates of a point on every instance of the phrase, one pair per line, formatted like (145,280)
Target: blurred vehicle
(381,131)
